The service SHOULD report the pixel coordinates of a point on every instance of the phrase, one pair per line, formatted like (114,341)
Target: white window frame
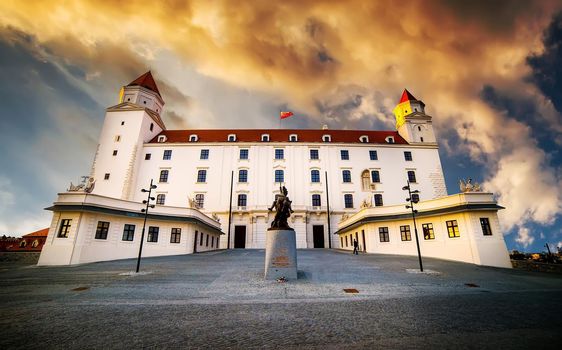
(265,138)
(364,139)
(326,136)
(162,138)
(193,138)
(389,139)
(295,136)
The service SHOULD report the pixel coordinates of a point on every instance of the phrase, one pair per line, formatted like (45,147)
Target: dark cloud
(547,66)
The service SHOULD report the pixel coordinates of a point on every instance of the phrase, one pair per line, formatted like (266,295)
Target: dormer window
(193,138)
(232,138)
(161,139)
(293,138)
(364,139)
(265,138)
(389,139)
(326,138)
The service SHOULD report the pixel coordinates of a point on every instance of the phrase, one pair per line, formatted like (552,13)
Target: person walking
(355,247)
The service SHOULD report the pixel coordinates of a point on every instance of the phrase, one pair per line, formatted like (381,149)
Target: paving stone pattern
(220,300)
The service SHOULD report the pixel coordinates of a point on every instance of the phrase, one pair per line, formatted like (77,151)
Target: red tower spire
(146,81)
(407,96)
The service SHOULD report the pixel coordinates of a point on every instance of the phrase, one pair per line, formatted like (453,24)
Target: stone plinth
(280,254)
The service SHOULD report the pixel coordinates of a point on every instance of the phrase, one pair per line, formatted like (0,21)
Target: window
(201,239)
(152,234)
(212,241)
(341,240)
(193,138)
(64,228)
(405,233)
(346,175)
(117,138)
(378,200)
(204,154)
(408,156)
(453,229)
(428,231)
(344,154)
(279,153)
(419,128)
(293,138)
(114,152)
(389,139)
(161,138)
(243,154)
(199,200)
(231,138)
(364,139)
(265,138)
(106,176)
(161,199)
(151,126)
(315,176)
(207,241)
(176,235)
(375,176)
(411,176)
(164,175)
(147,156)
(348,200)
(316,200)
(102,229)
(383,234)
(167,154)
(326,138)
(122,122)
(242,175)
(415,197)
(373,155)
(421,139)
(128,232)
(201,175)
(279,176)
(242,200)
(486,228)
(346,242)
(314,154)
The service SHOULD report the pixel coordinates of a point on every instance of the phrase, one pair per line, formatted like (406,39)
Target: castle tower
(127,126)
(411,121)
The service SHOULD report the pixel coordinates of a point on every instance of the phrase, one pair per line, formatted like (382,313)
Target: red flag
(284,115)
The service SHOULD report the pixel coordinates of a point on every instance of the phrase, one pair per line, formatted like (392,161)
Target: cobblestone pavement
(220,300)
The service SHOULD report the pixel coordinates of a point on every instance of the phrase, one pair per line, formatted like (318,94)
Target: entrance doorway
(239,236)
(318,236)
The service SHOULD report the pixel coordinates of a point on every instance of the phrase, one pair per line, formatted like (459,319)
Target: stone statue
(282,206)
(191,202)
(469,186)
(366,204)
(87,185)
(216,217)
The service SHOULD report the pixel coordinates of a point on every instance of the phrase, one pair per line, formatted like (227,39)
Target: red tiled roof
(279,135)
(147,81)
(407,96)
(40,233)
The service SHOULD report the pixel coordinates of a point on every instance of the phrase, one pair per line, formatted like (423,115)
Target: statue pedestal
(280,254)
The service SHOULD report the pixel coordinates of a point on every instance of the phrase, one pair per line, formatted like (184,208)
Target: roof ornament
(87,185)
(469,186)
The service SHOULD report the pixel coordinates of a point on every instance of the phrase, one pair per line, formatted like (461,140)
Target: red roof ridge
(146,81)
(43,233)
(407,96)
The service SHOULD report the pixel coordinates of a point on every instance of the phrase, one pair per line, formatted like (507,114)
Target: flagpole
(279,119)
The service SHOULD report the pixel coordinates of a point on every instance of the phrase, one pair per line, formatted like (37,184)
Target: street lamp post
(411,206)
(145,211)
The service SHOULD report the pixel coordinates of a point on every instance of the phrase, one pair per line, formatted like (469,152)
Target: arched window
(231,138)
(193,138)
(346,175)
(161,199)
(364,139)
(202,175)
(23,244)
(293,138)
(316,200)
(314,175)
(365,182)
(279,176)
(199,200)
(35,243)
(378,200)
(326,138)
(265,138)
(242,175)
(164,175)
(375,176)
(242,200)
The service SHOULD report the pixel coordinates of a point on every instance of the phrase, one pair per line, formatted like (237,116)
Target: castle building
(218,185)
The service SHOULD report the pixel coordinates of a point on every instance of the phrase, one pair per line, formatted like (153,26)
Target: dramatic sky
(490,73)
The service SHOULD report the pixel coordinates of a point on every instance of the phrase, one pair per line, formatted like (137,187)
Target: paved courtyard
(220,300)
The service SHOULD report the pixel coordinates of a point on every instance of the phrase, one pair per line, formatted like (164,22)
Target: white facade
(369,166)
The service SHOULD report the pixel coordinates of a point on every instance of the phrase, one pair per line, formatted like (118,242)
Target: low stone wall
(530,265)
